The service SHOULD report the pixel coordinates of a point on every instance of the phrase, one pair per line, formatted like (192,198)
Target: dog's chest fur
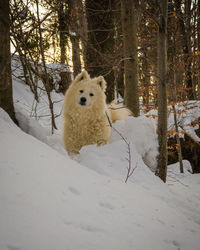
(87,125)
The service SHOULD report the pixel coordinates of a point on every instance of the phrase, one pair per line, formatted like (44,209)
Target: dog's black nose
(83,100)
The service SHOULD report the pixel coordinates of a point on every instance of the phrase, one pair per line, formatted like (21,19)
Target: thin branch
(130,170)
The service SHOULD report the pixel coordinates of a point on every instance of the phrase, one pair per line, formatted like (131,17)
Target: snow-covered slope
(48,201)
(35,119)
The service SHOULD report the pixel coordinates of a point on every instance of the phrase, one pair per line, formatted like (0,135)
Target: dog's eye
(81,91)
(91,94)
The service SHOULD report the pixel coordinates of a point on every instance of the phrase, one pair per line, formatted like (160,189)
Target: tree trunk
(100,44)
(129,31)
(172,52)
(146,81)
(62,31)
(6,97)
(119,63)
(162,91)
(82,27)
(75,12)
(198,44)
(185,33)
(178,143)
(76,55)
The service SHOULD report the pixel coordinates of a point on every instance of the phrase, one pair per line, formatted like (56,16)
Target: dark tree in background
(75,10)
(6,98)
(184,28)
(63,29)
(198,47)
(100,44)
(129,33)
(162,90)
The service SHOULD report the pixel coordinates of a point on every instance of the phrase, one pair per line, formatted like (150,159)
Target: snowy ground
(49,201)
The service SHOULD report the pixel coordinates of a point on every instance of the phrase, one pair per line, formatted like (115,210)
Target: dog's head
(88,92)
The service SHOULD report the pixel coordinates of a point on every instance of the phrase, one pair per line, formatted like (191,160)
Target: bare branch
(130,170)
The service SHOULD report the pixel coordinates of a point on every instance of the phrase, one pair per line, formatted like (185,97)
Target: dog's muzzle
(83,101)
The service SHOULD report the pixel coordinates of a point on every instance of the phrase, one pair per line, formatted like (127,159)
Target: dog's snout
(83,100)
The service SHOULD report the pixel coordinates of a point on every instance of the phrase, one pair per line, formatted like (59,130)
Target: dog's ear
(102,83)
(82,76)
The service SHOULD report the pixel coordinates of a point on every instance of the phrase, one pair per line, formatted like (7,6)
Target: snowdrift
(48,201)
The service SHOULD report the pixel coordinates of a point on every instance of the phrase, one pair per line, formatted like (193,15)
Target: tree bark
(100,44)
(129,30)
(161,170)
(185,34)
(76,55)
(198,44)
(6,97)
(75,12)
(62,31)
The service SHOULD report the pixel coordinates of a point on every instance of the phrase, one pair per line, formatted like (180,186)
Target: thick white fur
(87,124)
(118,112)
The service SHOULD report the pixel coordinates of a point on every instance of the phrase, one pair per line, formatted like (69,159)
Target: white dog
(86,115)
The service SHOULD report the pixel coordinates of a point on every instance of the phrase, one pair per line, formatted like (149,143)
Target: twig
(130,170)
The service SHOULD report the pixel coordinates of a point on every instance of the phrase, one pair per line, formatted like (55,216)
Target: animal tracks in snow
(84,227)
(106,205)
(74,190)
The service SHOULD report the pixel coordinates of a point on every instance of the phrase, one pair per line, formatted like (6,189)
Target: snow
(187,112)
(49,200)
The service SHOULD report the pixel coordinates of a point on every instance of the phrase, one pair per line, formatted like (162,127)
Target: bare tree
(62,30)
(162,90)
(198,46)
(6,98)
(129,30)
(185,34)
(75,13)
(100,45)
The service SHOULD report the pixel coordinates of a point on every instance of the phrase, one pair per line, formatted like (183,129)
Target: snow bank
(114,158)
(35,119)
(187,112)
(48,201)
(141,132)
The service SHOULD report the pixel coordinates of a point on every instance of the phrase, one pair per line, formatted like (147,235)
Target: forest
(147,51)
(141,190)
